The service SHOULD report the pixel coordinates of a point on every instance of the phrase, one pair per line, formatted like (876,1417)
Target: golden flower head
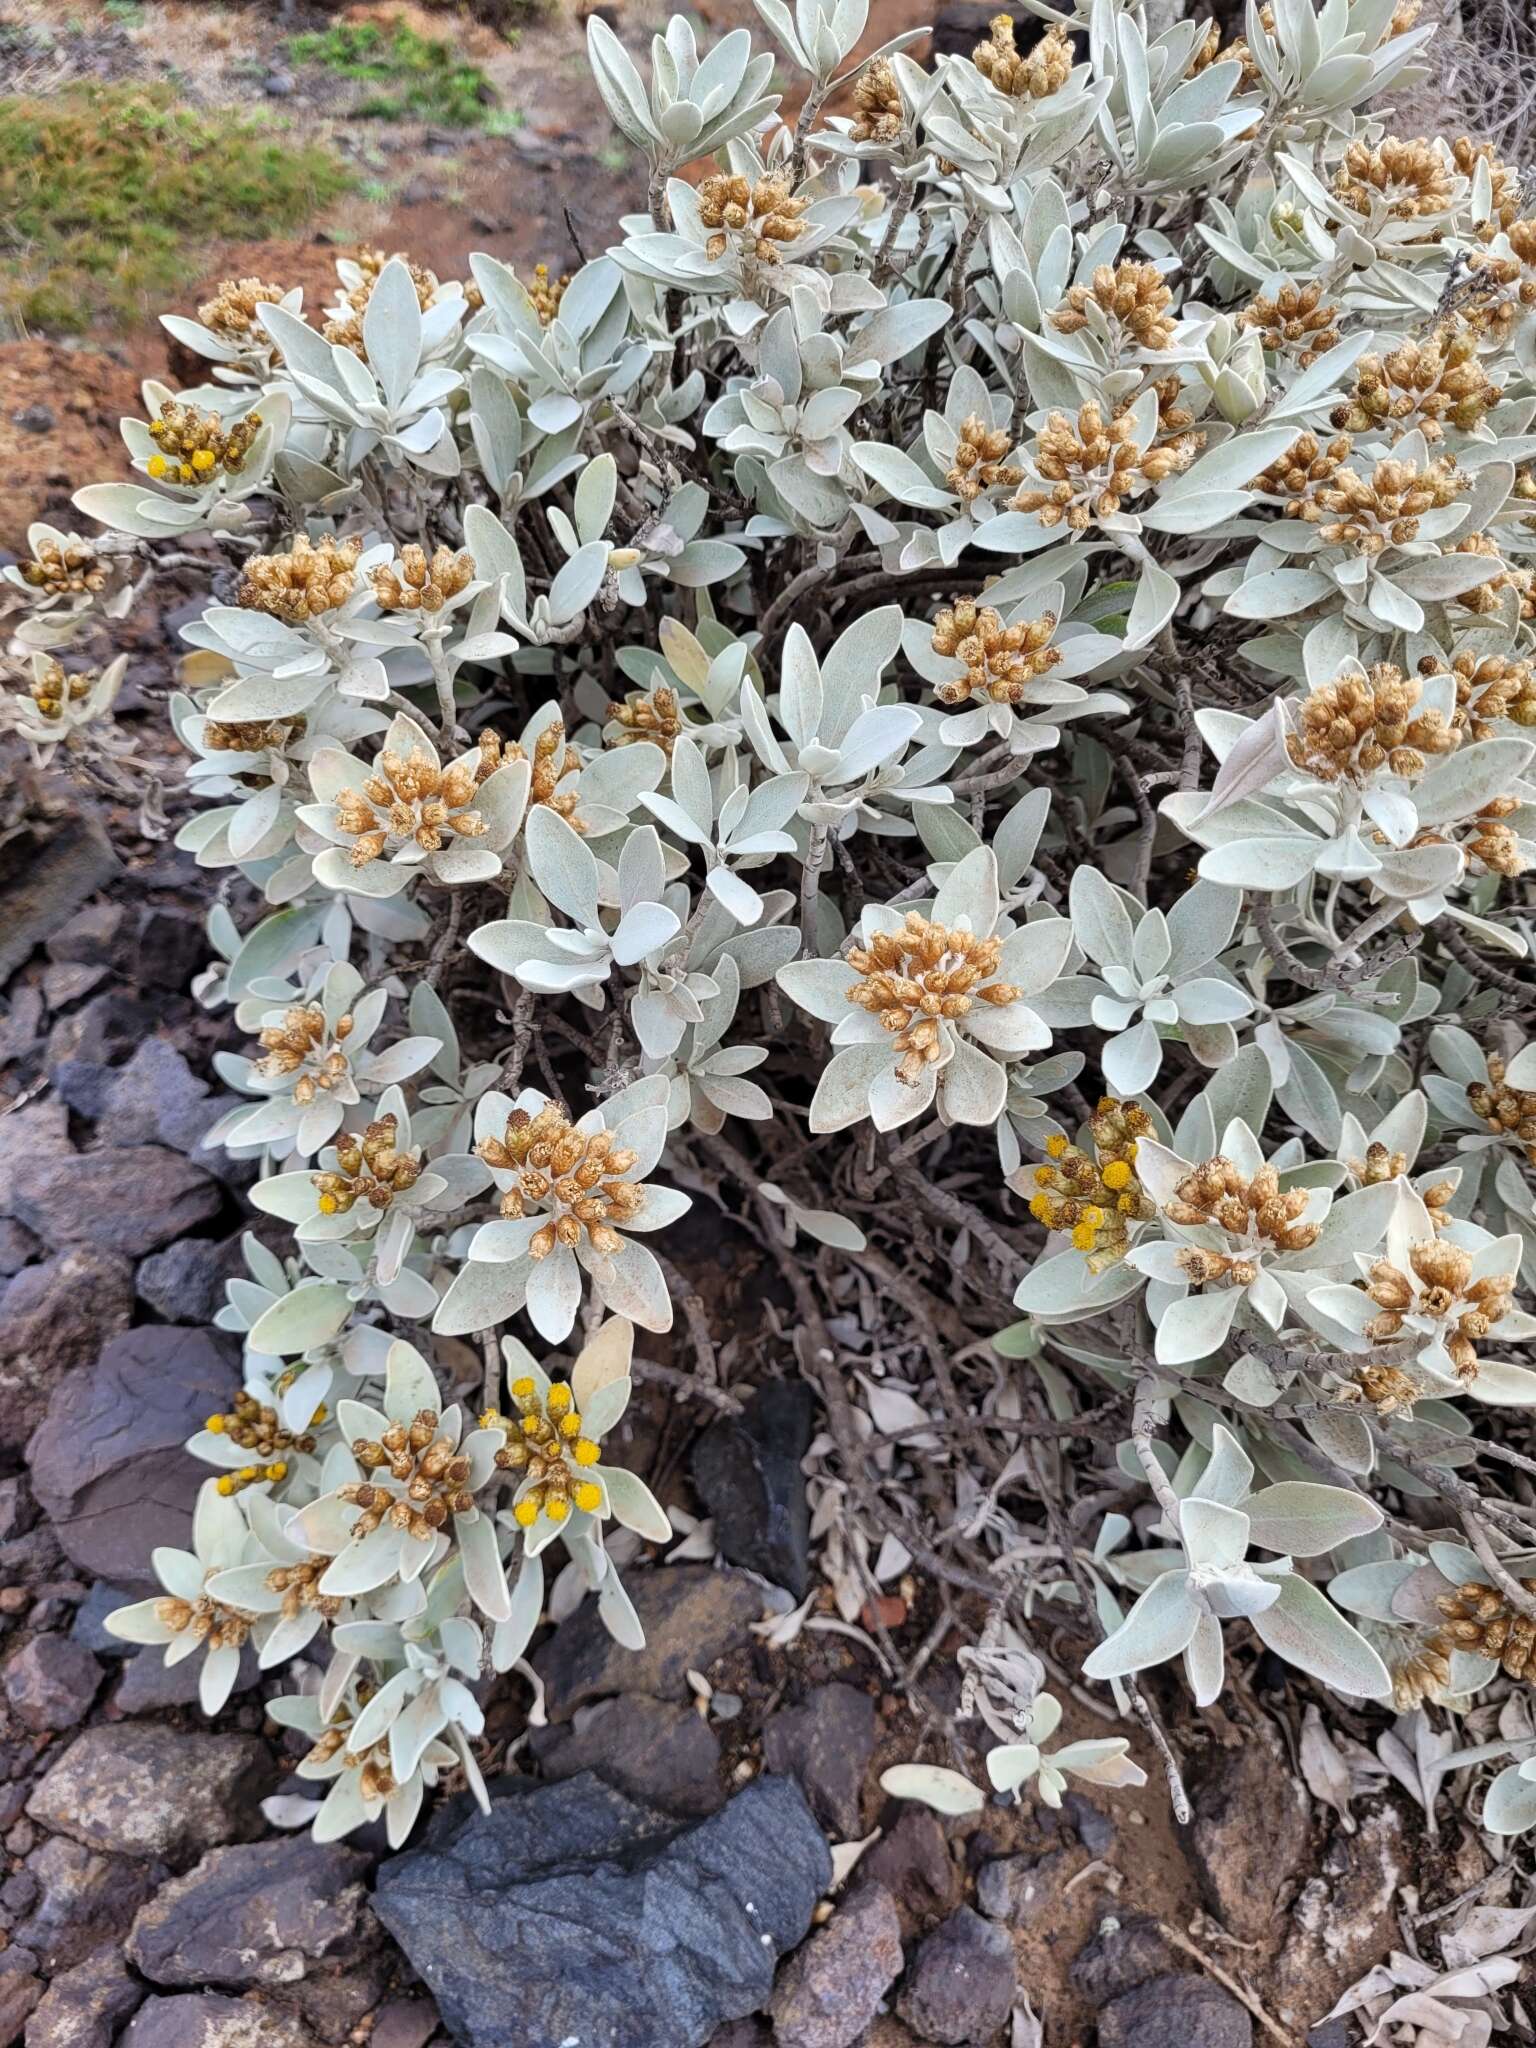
(417,583)
(313,577)
(371,1168)
(546,1445)
(1426,385)
(923,974)
(1371,513)
(1085,469)
(1490,689)
(1294,321)
(761,215)
(1033,74)
(193,447)
(1000,661)
(1396,180)
(70,569)
(1350,729)
(430,1471)
(1095,1196)
(410,798)
(1253,1209)
(1131,296)
(978,463)
(575,1177)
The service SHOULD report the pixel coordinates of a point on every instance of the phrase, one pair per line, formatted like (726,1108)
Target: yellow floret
(1055,1147)
(522,1388)
(557,1509)
(586,1452)
(589,1496)
(559,1400)
(1040,1208)
(278,1470)
(226,1485)
(570,1425)
(157,465)
(1045,1177)
(1117,1175)
(526,1513)
(215,1424)
(203,459)
(328,1205)
(1083,1236)
(1093,1216)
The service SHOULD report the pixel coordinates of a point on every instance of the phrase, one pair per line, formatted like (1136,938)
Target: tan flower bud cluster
(1251,79)
(212,1622)
(1000,661)
(1295,321)
(1479,1620)
(410,797)
(251,736)
(52,686)
(1502,286)
(1467,155)
(1349,729)
(301,1042)
(761,215)
(1429,385)
(313,577)
(1131,294)
(1489,687)
(978,465)
(73,570)
(375,1778)
(1381,510)
(654,715)
(578,1173)
(1096,1198)
(299,1585)
(1419,1675)
(1395,180)
(1440,1285)
(1485,598)
(1386,1388)
(345,327)
(1033,75)
(1306,464)
(231,312)
(418,1457)
(545,1444)
(546,296)
(552,761)
(1491,845)
(415,583)
(192,446)
(369,1169)
(878,113)
(925,973)
(1087,468)
(1506,1112)
(255,1427)
(1257,1210)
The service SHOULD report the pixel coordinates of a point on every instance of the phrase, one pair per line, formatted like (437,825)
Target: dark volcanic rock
(20,1991)
(571,1912)
(747,1470)
(131,1201)
(156,1099)
(214,2022)
(185,1282)
(85,2006)
(50,1683)
(149,1684)
(961,1984)
(1121,1955)
(57,1317)
(108,1464)
(831,1988)
(84,1898)
(146,1791)
(44,878)
(664,1755)
(258,1913)
(1190,2011)
(913,1862)
(1018,1889)
(825,1743)
(1246,1869)
(691,1615)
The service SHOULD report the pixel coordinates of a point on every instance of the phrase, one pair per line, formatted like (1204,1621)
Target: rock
(1344,1919)
(131,1200)
(1121,1955)
(66,982)
(830,1989)
(748,2033)
(18,1509)
(663,1755)
(1249,1837)
(147,1791)
(961,1984)
(108,1462)
(84,1898)
(279,85)
(185,1282)
(214,2022)
(149,1684)
(1095,1830)
(1191,2011)
(106,1030)
(404,2023)
(88,1628)
(40,1131)
(20,1991)
(89,937)
(747,1470)
(18,1247)
(914,1864)
(57,1317)
(47,874)
(570,1911)
(259,1913)
(155,1095)
(826,1743)
(50,1683)
(84,1084)
(1017,1889)
(85,2006)
(691,1615)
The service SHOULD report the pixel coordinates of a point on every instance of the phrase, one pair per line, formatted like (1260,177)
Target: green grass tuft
(413,77)
(107,191)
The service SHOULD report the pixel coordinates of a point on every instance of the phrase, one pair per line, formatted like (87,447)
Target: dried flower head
(53,686)
(207,1620)
(911,978)
(1480,1620)
(1489,688)
(1439,1285)
(648,715)
(299,1585)
(1000,661)
(1295,321)
(1086,469)
(257,1428)
(546,295)
(415,583)
(1429,385)
(303,1046)
(552,760)
(577,1175)
(760,215)
(370,1168)
(432,1473)
(409,797)
(231,312)
(1307,463)
(1096,1196)
(1419,1675)
(192,446)
(1506,181)
(1384,509)
(1386,1388)
(1487,597)
(1031,75)
(345,327)
(978,463)
(545,1444)
(1506,1112)
(1131,296)
(1254,1209)
(878,112)
(1349,729)
(1396,180)
(313,577)
(69,567)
